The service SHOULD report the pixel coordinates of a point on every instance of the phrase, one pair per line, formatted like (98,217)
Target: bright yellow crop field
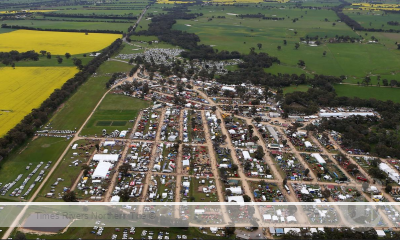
(25,88)
(57,43)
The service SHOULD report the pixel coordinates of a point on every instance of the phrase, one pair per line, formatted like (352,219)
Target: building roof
(246,155)
(105,157)
(115,199)
(101,170)
(318,157)
(239,199)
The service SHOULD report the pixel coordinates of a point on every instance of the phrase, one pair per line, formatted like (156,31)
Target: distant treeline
(259,15)
(393,23)
(336,39)
(354,24)
(26,128)
(70,20)
(88,16)
(161,25)
(60,30)
(8,58)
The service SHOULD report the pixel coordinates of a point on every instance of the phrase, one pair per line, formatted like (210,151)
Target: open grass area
(70,25)
(55,42)
(379,93)
(25,88)
(116,112)
(374,19)
(300,88)
(52,62)
(233,33)
(114,66)
(86,98)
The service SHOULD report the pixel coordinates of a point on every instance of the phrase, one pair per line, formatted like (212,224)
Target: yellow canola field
(57,43)
(25,88)
(377,7)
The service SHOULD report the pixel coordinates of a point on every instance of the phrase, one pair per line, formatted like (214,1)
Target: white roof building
(235,190)
(185,163)
(105,157)
(232,89)
(109,143)
(286,230)
(318,157)
(267,217)
(239,199)
(307,144)
(101,170)
(246,155)
(115,199)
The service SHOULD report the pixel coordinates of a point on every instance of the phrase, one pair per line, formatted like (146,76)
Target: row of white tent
(269,217)
(389,171)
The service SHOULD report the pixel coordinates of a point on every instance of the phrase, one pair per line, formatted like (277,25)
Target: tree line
(68,15)
(161,26)
(26,128)
(113,78)
(68,20)
(393,23)
(353,23)
(60,30)
(8,58)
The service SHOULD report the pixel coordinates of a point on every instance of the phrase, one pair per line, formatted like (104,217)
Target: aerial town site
(199,119)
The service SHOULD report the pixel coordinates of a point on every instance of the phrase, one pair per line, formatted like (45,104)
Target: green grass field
(114,113)
(52,62)
(379,93)
(114,66)
(300,88)
(374,19)
(232,33)
(69,25)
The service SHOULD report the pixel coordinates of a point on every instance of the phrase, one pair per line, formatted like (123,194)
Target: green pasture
(114,113)
(374,19)
(379,93)
(113,67)
(53,62)
(300,88)
(234,34)
(70,25)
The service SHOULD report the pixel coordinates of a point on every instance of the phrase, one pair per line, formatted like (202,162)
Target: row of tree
(353,23)
(26,128)
(8,58)
(60,30)
(68,15)
(113,78)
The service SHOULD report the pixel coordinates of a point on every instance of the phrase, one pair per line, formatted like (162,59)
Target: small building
(238,199)
(101,170)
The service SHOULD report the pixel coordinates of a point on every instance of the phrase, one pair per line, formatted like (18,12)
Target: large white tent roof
(101,170)
(318,157)
(239,199)
(105,157)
